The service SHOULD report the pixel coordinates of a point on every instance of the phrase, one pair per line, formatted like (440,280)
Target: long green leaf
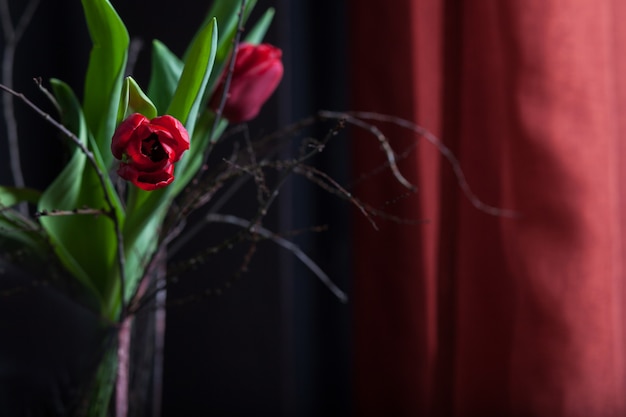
(227,14)
(200,63)
(99,236)
(85,244)
(107,63)
(146,210)
(145,213)
(257,33)
(193,81)
(164,76)
(64,191)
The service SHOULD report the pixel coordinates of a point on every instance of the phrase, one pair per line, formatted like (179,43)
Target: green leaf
(146,210)
(165,73)
(20,233)
(16,230)
(100,391)
(10,196)
(193,80)
(227,14)
(85,244)
(142,243)
(134,100)
(257,33)
(191,88)
(106,67)
(122,109)
(145,213)
(69,107)
(110,284)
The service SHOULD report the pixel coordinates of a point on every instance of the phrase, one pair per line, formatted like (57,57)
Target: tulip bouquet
(138,167)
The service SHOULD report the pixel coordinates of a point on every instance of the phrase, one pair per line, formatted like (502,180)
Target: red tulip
(148,149)
(257,72)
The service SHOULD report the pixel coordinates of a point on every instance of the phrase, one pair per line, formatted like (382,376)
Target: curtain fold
(466,313)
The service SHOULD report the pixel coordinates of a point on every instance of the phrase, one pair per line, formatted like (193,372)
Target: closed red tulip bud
(148,149)
(257,72)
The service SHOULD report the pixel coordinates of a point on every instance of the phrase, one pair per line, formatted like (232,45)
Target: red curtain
(458,312)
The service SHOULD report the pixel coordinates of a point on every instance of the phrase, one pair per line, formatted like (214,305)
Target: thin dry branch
(12,35)
(82,211)
(356,118)
(286,244)
(329,184)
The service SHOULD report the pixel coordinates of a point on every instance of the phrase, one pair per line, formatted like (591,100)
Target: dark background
(278,342)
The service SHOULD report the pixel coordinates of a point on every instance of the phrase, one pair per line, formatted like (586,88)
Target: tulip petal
(125,132)
(148,149)
(148,181)
(257,72)
(174,135)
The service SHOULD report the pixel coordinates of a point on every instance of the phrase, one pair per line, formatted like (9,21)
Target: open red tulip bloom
(257,72)
(148,149)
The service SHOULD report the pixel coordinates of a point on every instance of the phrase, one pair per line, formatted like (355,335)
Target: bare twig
(135,47)
(12,35)
(142,301)
(313,173)
(196,199)
(290,246)
(190,233)
(356,119)
(39,82)
(391,156)
(259,177)
(253,225)
(18,219)
(293,165)
(289,166)
(84,210)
